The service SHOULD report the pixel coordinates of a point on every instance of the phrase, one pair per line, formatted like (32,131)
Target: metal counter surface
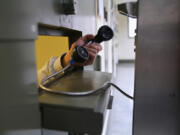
(82,114)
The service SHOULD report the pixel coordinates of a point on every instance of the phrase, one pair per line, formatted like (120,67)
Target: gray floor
(122,112)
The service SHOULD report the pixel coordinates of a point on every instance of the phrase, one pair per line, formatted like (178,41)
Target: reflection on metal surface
(129,9)
(157,80)
(81,81)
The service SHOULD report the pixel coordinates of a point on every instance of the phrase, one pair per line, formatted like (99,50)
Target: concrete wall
(19,112)
(84,19)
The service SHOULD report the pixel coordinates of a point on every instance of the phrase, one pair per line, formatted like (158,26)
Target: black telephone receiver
(81,55)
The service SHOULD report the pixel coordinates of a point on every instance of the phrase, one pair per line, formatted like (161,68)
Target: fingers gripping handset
(85,48)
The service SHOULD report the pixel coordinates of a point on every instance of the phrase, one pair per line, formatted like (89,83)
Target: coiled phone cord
(104,87)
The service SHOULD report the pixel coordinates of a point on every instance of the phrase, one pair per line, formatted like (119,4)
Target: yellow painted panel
(49,46)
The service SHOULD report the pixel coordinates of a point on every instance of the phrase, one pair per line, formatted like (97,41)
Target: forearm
(50,67)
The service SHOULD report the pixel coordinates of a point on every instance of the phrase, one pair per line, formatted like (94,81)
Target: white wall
(126,45)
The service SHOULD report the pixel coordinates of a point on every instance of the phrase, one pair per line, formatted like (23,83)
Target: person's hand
(92,49)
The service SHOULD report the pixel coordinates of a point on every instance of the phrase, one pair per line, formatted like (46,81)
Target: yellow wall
(49,46)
